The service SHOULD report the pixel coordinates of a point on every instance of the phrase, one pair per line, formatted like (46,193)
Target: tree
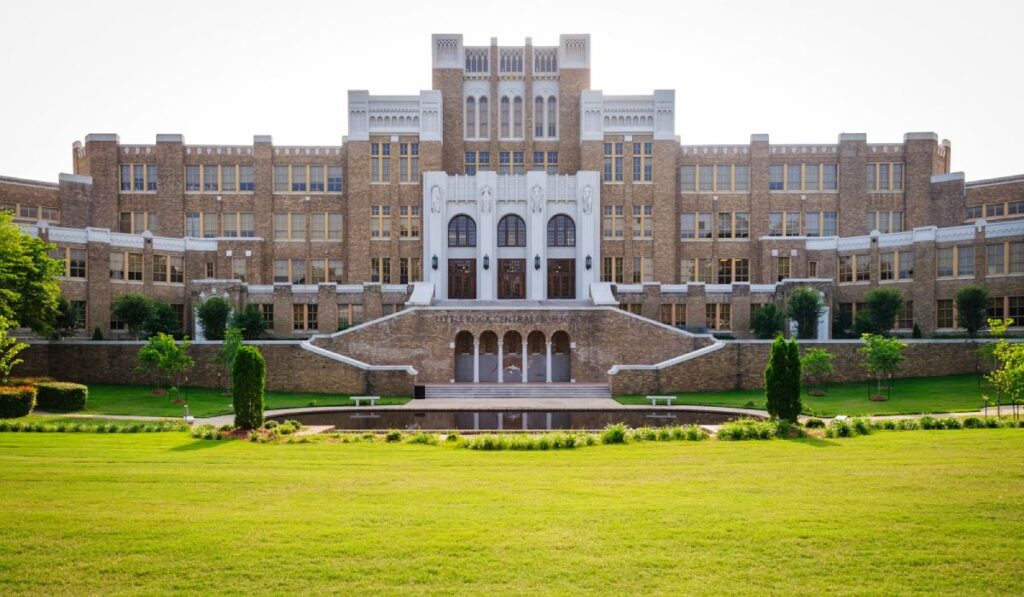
(28,279)
(882,305)
(226,356)
(250,321)
(165,357)
(805,307)
(96,333)
(66,320)
(841,324)
(133,310)
(882,357)
(162,319)
(817,366)
(972,308)
(249,373)
(997,329)
(782,380)
(213,316)
(9,349)
(1008,379)
(767,321)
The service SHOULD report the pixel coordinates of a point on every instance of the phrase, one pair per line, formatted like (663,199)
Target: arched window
(511,231)
(470,117)
(505,115)
(561,231)
(517,117)
(538,117)
(462,231)
(464,343)
(485,131)
(552,121)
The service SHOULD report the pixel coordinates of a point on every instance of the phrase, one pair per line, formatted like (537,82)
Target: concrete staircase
(518,390)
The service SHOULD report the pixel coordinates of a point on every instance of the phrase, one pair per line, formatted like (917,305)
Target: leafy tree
(972,308)
(1008,379)
(782,380)
(165,356)
(767,321)
(250,321)
(226,356)
(249,373)
(805,307)
(9,349)
(66,320)
(882,305)
(816,365)
(882,357)
(28,279)
(213,316)
(162,319)
(997,329)
(133,310)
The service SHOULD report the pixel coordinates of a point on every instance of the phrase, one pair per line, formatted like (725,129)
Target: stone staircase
(518,390)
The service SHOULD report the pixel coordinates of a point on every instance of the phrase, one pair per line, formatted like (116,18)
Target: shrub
(16,401)
(250,321)
(614,434)
(782,380)
(132,310)
(96,333)
(908,424)
(393,435)
(61,397)
(162,319)
(767,321)
(805,307)
(248,379)
(929,423)
(814,423)
(213,316)
(861,425)
(420,437)
(840,429)
(916,332)
(743,429)
(881,307)
(972,308)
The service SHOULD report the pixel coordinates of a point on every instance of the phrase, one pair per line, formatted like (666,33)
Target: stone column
(526,361)
(501,360)
(547,373)
(476,360)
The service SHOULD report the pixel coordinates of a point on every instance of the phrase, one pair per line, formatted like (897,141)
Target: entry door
(561,278)
(462,278)
(511,278)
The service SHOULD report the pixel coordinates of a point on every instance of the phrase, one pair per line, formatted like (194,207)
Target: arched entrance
(464,356)
(536,348)
(512,357)
(561,357)
(488,357)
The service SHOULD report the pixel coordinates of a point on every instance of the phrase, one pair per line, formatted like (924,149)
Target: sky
(219,72)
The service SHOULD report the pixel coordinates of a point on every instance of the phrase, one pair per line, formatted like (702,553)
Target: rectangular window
(725,228)
(643,221)
(643,270)
(792,223)
(298,179)
(380,270)
(994,210)
(280,179)
(741,177)
(192,182)
(159,268)
(380,222)
(267,311)
(812,179)
(812,223)
(688,178)
(126,177)
(380,162)
(281,271)
(703,225)
(334,179)
(139,177)
(673,314)
(829,226)
(546,161)
(304,317)
(707,178)
(944,315)
(887,266)
(611,222)
(611,270)
(872,177)
(793,177)
(996,258)
(775,223)
(973,212)
(897,178)
(211,181)
(117,266)
(812,269)
(775,177)
(905,265)
(905,317)
(723,178)
(784,267)
(1015,309)
(994,310)
(830,176)
(845,268)
(228,178)
(643,162)
(238,268)
(885,177)
(409,218)
(316,179)
(135,267)
(613,162)
(742,225)
(718,316)
(246,178)
(409,165)
(210,225)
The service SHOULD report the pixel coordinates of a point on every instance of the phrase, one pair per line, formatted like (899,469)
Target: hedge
(61,397)
(16,401)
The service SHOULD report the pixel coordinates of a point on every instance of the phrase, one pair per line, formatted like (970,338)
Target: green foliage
(232,342)
(97,334)
(767,321)
(61,397)
(133,310)
(66,319)
(744,429)
(88,427)
(16,401)
(162,320)
(29,288)
(1008,378)
(213,316)
(842,324)
(9,349)
(972,308)
(916,333)
(250,321)
(882,305)
(882,357)
(248,379)
(166,357)
(805,307)
(614,434)
(816,365)
(814,423)
(782,380)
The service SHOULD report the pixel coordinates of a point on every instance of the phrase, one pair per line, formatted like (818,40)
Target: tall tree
(882,305)
(972,308)
(9,349)
(29,288)
(162,318)
(782,380)
(250,321)
(213,316)
(133,310)
(767,321)
(226,356)
(805,307)
(882,357)
(249,374)
(66,320)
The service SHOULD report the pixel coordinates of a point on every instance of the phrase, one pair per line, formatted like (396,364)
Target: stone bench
(360,399)
(667,399)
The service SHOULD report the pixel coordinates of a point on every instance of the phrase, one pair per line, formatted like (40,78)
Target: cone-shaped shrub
(782,380)
(249,373)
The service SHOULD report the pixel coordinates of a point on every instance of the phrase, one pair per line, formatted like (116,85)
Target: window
(211,270)
(696,270)
(138,177)
(611,270)
(79,308)
(945,314)
(707,178)
(511,112)
(316,179)
(476,161)
(517,117)
(304,317)
(134,267)
(290,226)
(885,177)
(511,231)
(504,116)
(290,271)
(905,265)
(114,323)
(246,178)
(1005,258)
(546,161)
(267,312)
(973,212)
(408,270)
(905,316)
(775,177)
(643,221)
(380,270)
(511,162)
(740,177)
(794,173)
(561,231)
(229,178)
(335,271)
(896,265)
(462,231)
(673,314)
(238,268)
(955,261)
(239,224)
(168,268)
(117,266)
(159,268)
(830,176)
(1014,208)
(545,117)
(829,223)
(409,222)
(733,270)
(1014,309)
(854,268)
(995,307)
(718,316)
(380,222)
(784,223)
(784,267)
(733,224)
(470,118)
(611,222)
(643,270)
(210,225)
(884,221)
(298,182)
(696,225)
(613,162)
(333,179)
(325,226)
(803,177)
(380,162)
(192,178)
(409,162)
(211,181)
(643,164)
(136,222)
(687,179)
(812,269)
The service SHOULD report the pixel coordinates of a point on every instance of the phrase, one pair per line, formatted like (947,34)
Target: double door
(561,278)
(511,278)
(462,278)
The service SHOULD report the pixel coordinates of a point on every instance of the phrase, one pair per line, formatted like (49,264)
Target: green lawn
(203,402)
(955,393)
(891,513)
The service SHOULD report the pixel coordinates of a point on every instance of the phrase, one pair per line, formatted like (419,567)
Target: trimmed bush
(782,380)
(61,397)
(249,374)
(742,429)
(814,423)
(16,401)
(614,434)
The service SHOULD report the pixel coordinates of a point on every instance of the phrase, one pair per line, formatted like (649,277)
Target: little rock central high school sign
(533,236)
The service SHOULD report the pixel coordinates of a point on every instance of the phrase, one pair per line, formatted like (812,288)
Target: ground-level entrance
(462,278)
(561,278)
(513,358)
(511,278)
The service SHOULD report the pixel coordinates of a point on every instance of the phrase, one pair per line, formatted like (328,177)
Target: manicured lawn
(955,393)
(203,402)
(924,512)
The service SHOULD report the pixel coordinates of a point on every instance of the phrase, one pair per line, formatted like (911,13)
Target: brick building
(512,180)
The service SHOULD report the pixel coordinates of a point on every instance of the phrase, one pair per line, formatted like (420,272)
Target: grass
(203,402)
(954,393)
(927,512)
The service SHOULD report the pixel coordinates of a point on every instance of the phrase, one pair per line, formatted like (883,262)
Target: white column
(501,360)
(547,374)
(526,360)
(476,360)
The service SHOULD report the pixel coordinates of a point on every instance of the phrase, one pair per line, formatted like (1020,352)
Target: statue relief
(435,199)
(588,199)
(486,199)
(536,199)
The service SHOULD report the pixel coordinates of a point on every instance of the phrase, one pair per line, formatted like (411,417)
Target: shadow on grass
(817,442)
(199,444)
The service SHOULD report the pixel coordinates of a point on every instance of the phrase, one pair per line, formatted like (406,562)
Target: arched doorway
(561,357)
(463,356)
(512,357)
(488,357)
(537,361)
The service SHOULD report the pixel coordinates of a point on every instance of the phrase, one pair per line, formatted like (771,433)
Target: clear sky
(220,72)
